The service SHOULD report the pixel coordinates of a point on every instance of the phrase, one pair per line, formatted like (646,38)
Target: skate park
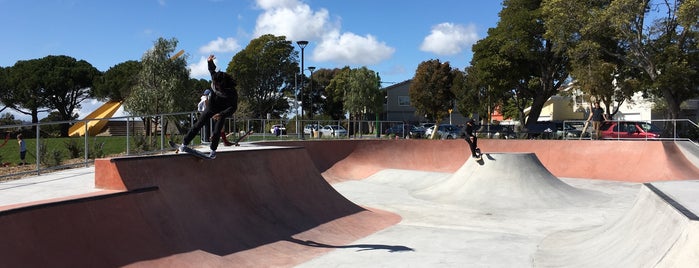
(370,203)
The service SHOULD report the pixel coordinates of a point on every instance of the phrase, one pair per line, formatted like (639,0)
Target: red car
(629,130)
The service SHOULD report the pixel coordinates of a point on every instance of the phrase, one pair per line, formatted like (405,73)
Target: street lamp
(312,68)
(302,44)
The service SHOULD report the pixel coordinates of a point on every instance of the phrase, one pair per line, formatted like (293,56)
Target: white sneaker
(182,147)
(212,154)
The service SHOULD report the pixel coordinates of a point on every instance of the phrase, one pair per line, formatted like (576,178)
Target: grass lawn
(110,146)
(9,153)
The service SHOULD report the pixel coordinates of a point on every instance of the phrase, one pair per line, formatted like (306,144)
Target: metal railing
(175,125)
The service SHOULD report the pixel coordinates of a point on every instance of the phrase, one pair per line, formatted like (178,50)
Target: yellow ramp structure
(94,127)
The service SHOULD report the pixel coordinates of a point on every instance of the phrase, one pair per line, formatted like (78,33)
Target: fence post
(87,140)
(38,140)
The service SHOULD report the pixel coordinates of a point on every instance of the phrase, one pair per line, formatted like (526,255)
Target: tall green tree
(516,61)
(338,87)
(21,92)
(431,92)
(4,87)
(264,70)
(161,86)
(58,83)
(363,96)
(330,100)
(66,84)
(657,39)
(117,82)
(359,90)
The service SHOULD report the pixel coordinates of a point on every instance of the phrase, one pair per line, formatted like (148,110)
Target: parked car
(564,130)
(278,127)
(417,132)
(308,129)
(400,130)
(333,131)
(496,131)
(445,131)
(629,130)
(426,125)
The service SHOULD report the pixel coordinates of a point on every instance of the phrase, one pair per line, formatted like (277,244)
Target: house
(399,108)
(559,108)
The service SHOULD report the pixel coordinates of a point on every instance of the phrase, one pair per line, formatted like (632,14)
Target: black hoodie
(224,101)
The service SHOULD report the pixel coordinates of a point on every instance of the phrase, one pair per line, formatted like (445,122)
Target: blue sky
(388,36)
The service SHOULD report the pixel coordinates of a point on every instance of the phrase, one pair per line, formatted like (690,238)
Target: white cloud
(292,19)
(220,45)
(449,39)
(349,48)
(200,69)
(296,21)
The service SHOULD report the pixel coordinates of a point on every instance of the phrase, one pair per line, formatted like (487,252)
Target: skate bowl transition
(275,204)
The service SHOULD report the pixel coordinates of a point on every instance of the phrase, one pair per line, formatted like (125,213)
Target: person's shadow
(360,247)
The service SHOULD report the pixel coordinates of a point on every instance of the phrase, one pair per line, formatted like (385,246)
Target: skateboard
(224,138)
(479,155)
(237,141)
(188,150)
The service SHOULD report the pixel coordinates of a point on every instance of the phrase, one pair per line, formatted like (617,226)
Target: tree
(4,87)
(330,100)
(264,70)
(516,62)
(338,87)
(117,82)
(663,50)
(357,89)
(666,49)
(589,46)
(431,90)
(161,86)
(8,119)
(57,83)
(475,97)
(363,95)
(66,83)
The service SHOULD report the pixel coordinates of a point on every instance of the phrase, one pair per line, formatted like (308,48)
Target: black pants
(206,132)
(203,120)
(473,144)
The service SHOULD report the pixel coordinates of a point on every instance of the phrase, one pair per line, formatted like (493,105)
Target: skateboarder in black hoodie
(470,137)
(222,103)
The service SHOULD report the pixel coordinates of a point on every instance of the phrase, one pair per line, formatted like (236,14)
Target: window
(403,100)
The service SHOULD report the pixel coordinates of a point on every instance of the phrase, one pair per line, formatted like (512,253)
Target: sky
(390,37)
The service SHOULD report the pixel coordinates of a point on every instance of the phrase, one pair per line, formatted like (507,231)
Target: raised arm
(212,65)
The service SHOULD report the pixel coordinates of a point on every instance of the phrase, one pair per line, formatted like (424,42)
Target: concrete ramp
(631,161)
(247,208)
(655,232)
(507,180)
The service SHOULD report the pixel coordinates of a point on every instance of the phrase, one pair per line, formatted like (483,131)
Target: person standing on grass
(22,149)
(222,103)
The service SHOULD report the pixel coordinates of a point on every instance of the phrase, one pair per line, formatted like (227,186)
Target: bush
(97,150)
(144,143)
(74,148)
(50,158)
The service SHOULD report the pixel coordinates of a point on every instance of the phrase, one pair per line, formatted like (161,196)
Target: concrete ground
(506,211)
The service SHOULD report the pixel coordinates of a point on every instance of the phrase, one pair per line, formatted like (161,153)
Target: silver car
(333,131)
(445,131)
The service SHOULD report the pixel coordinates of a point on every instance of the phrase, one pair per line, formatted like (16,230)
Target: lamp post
(302,44)
(296,104)
(312,68)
